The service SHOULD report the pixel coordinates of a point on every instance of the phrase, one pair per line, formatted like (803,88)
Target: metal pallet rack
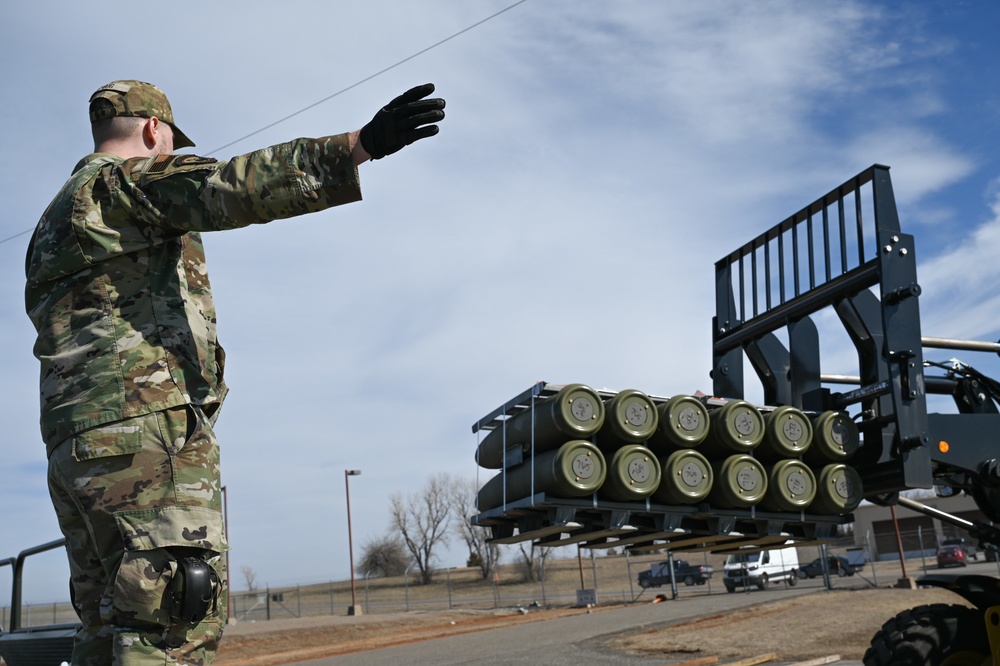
(597,523)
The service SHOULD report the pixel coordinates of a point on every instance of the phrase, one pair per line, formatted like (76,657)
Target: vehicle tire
(842,573)
(801,574)
(793,579)
(763,582)
(927,635)
(730,588)
(689,581)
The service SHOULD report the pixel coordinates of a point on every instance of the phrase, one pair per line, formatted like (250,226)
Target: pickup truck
(690,574)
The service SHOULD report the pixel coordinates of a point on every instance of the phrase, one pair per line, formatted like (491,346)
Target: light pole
(353,610)
(225,526)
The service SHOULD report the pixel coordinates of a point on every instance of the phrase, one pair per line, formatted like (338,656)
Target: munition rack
(641,526)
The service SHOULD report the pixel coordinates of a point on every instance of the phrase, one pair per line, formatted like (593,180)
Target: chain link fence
(608,577)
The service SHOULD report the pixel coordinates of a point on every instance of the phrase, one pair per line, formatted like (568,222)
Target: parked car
(838,566)
(952,556)
(690,574)
(968,547)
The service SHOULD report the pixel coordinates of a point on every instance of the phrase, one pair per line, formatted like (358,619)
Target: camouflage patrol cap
(135,99)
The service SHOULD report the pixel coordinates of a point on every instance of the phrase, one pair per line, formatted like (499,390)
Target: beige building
(873,527)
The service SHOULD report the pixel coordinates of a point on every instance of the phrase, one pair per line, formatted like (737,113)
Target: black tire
(689,581)
(842,573)
(793,579)
(763,582)
(730,588)
(927,635)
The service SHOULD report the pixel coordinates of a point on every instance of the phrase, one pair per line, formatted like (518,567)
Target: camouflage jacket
(117,286)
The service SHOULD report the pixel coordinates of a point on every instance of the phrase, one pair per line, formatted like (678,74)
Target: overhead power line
(370,77)
(341,91)
(17,235)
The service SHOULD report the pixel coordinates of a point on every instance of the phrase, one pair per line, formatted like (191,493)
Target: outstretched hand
(402,121)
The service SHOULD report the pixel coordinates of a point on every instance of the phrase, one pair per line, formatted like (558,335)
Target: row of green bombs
(797,461)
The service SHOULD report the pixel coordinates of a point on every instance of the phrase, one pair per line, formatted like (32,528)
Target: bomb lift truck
(855,260)
(840,264)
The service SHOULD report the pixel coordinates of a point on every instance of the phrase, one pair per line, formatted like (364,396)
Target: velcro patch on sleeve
(162,166)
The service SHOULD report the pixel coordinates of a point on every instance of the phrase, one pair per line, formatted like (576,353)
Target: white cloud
(959,285)
(596,160)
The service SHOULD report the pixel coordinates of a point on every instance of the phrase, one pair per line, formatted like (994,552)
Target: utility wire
(17,235)
(372,76)
(339,92)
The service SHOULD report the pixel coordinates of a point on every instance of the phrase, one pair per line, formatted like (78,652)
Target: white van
(760,568)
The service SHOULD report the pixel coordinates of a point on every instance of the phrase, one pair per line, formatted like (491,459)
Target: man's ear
(149,130)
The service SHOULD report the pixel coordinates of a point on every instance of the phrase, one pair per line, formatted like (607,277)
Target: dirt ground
(840,623)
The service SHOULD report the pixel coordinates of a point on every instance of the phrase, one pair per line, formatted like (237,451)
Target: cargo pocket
(154,539)
(115,439)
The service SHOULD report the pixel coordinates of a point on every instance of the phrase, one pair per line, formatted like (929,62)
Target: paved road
(568,641)
(581,639)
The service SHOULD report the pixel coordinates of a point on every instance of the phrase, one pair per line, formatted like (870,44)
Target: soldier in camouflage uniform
(131,370)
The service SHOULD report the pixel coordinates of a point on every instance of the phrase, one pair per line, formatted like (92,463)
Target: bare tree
(250,576)
(533,560)
(422,521)
(463,501)
(384,556)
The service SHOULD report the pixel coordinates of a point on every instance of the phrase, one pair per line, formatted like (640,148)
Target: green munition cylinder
(633,474)
(736,427)
(740,482)
(687,478)
(575,412)
(683,423)
(788,433)
(835,439)
(575,469)
(791,486)
(631,418)
(838,490)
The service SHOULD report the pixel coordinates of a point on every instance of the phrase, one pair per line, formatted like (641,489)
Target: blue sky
(596,161)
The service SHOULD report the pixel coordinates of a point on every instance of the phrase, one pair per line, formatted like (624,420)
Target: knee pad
(194,591)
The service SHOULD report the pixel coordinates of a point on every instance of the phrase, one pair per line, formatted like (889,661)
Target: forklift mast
(844,258)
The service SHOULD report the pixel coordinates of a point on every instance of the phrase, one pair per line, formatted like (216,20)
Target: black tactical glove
(402,121)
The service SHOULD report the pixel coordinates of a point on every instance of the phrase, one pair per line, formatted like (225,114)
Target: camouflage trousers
(134,498)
